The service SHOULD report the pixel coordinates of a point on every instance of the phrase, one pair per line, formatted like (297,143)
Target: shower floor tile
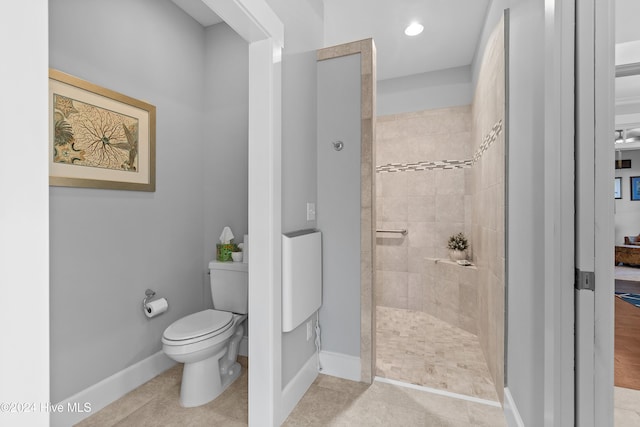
(414,347)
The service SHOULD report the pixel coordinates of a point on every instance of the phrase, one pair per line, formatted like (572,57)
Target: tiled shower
(441,172)
(431,200)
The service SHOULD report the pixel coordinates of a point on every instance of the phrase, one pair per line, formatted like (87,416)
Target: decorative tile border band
(489,139)
(424,166)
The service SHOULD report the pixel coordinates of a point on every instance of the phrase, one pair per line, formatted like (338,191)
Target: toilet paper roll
(156,307)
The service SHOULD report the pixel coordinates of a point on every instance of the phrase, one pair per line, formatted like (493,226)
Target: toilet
(207,341)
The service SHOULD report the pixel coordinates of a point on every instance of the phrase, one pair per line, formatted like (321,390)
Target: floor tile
(332,401)
(414,347)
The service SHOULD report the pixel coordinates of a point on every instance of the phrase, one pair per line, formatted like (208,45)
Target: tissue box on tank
(301,277)
(224,250)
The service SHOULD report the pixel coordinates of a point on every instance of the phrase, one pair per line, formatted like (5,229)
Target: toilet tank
(230,286)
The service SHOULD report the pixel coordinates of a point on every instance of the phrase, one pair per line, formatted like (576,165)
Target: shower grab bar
(403,231)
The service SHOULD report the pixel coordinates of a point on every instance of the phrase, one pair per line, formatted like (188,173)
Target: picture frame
(617,188)
(99,138)
(635,187)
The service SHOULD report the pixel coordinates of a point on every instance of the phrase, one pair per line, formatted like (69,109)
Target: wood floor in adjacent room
(627,344)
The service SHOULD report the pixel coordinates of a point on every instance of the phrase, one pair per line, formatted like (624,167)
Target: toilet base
(202,381)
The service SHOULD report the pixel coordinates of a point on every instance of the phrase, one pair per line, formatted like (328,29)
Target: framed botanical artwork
(99,138)
(635,187)
(617,188)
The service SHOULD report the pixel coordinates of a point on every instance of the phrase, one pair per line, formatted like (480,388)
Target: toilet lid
(199,324)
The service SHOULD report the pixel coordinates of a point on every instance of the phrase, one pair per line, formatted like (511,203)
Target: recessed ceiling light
(413,29)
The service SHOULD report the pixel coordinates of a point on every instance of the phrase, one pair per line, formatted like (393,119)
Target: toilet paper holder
(149,294)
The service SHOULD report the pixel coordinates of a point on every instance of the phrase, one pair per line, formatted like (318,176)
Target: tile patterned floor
(626,410)
(329,401)
(156,403)
(336,402)
(452,361)
(414,347)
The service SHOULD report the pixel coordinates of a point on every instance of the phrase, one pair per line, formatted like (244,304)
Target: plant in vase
(458,245)
(236,254)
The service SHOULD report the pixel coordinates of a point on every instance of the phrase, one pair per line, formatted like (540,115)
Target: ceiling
(199,11)
(452,29)
(627,13)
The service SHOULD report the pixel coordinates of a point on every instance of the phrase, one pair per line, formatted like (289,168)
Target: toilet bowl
(207,342)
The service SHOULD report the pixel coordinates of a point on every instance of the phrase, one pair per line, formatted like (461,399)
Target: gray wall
(526,311)
(339,202)
(627,109)
(108,246)
(303,35)
(417,92)
(627,212)
(299,159)
(225,140)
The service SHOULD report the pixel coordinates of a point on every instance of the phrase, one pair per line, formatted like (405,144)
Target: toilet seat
(197,327)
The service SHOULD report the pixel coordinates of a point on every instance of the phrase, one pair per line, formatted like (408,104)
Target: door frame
(595,74)
(559,181)
(604,83)
(24,212)
(255,22)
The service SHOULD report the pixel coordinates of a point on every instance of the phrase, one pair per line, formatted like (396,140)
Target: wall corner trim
(511,414)
(111,389)
(340,365)
(298,386)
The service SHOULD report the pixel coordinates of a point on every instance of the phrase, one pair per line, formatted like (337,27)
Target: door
(594,212)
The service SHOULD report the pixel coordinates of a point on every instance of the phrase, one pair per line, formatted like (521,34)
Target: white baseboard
(298,386)
(511,414)
(94,398)
(340,365)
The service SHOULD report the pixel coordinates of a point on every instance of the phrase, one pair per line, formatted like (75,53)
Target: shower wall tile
(393,209)
(421,234)
(417,257)
(451,182)
(394,184)
(469,187)
(414,292)
(432,205)
(421,208)
(450,208)
(392,258)
(450,293)
(468,298)
(378,286)
(488,203)
(394,289)
(421,183)
(447,296)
